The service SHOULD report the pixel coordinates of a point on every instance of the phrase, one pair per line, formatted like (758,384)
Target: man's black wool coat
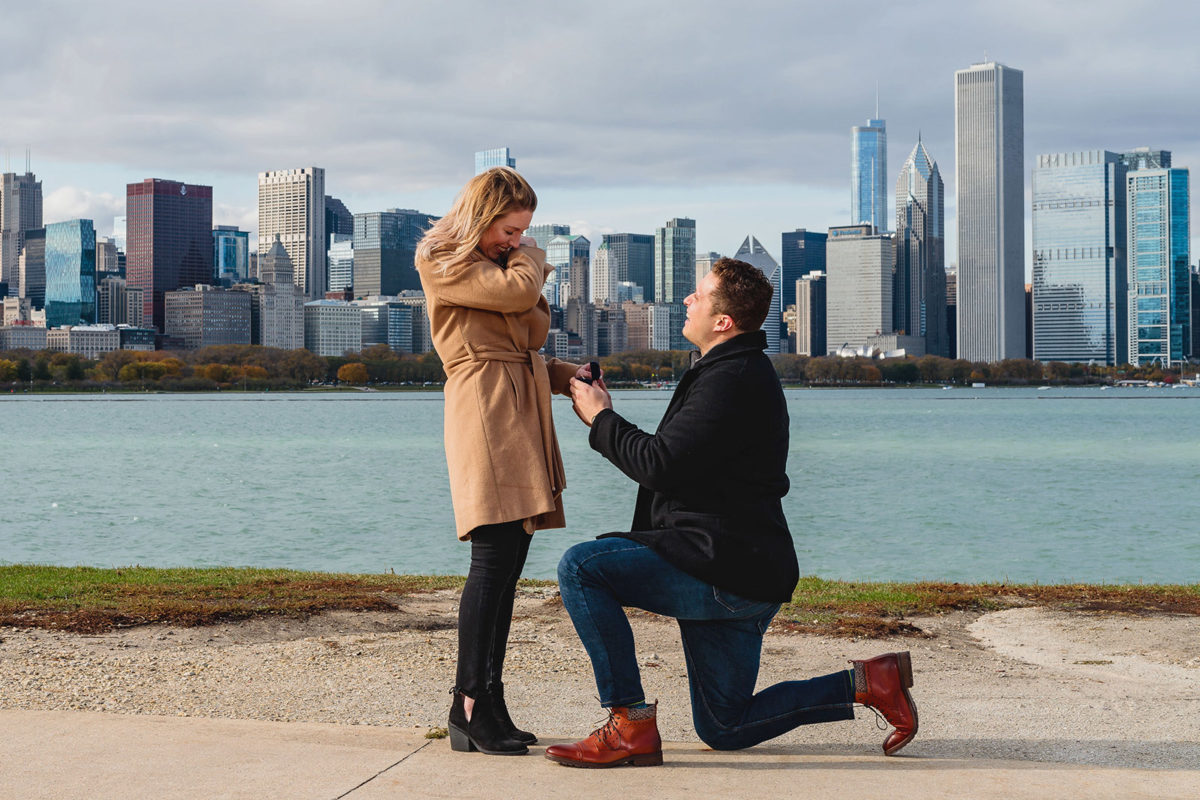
(713,475)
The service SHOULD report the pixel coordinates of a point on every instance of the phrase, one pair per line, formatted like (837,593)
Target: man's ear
(723,324)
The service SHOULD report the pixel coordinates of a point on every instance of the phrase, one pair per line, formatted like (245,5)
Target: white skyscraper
(291,203)
(859,263)
(989,152)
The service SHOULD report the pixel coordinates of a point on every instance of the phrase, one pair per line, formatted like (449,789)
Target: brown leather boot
(882,683)
(629,737)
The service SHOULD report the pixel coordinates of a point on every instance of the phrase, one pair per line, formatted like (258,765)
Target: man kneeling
(709,547)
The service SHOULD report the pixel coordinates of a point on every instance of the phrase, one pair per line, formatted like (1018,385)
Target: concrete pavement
(63,754)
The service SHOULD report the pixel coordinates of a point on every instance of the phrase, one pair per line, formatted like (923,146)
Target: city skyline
(617,152)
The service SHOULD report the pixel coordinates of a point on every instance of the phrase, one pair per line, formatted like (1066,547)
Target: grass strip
(91,600)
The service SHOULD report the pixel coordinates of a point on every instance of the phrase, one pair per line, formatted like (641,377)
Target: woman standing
(483,283)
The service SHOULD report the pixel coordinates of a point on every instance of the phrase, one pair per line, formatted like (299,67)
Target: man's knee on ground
(719,738)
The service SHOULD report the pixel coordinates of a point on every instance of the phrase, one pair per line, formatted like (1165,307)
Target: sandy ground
(1027,683)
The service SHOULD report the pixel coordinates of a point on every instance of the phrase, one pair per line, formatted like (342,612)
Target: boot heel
(904,663)
(460,742)
(648,760)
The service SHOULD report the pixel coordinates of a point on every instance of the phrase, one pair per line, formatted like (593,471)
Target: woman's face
(504,234)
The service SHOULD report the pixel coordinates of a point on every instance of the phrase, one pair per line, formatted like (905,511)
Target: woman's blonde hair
(486,197)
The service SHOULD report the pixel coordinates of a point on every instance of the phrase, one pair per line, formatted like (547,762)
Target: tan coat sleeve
(561,373)
(484,285)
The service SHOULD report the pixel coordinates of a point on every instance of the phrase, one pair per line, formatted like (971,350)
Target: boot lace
(606,731)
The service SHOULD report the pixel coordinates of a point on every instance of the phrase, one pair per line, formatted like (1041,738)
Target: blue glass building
(631,258)
(70,273)
(231,255)
(868,174)
(497,157)
(803,252)
(1079,258)
(1159,290)
(385,246)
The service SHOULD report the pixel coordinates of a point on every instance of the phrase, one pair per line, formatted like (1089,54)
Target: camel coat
(488,324)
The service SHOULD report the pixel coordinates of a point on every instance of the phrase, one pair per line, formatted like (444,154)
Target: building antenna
(876,99)
(28,156)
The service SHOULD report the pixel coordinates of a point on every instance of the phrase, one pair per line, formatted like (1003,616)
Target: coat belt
(541,380)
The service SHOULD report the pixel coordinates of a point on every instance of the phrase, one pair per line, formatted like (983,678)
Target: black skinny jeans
(485,613)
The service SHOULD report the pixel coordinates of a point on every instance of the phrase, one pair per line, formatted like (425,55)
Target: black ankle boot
(501,709)
(483,732)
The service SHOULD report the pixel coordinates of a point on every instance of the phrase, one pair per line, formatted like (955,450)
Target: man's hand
(588,400)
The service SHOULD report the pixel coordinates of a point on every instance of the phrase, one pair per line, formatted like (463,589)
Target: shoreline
(1084,687)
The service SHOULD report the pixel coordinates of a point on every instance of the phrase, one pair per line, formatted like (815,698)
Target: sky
(621,114)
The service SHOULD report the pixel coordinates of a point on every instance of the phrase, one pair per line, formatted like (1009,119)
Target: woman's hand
(584,373)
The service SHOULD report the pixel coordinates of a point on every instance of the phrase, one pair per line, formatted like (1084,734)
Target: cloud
(392,99)
(72,202)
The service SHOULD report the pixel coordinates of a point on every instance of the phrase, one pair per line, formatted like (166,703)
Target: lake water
(1023,485)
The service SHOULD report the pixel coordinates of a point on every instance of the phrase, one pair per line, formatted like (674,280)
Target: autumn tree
(354,373)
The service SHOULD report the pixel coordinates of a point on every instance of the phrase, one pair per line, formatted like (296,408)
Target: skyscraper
(20,211)
(631,258)
(570,256)
(858,285)
(675,260)
(603,280)
(810,315)
(291,202)
(279,302)
(31,268)
(868,174)
(169,236)
(1079,258)
(542,234)
(802,252)
(385,246)
(753,253)
(919,293)
(231,255)
(70,273)
(341,262)
(338,219)
(497,157)
(1159,284)
(989,151)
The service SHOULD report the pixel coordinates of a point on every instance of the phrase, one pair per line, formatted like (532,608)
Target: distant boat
(978,385)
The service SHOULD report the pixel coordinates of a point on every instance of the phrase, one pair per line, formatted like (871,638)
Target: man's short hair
(742,292)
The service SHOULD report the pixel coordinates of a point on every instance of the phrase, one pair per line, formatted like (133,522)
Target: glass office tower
(1159,291)
(675,260)
(170,241)
(803,252)
(1079,267)
(385,247)
(868,174)
(231,255)
(919,290)
(631,258)
(70,273)
(497,157)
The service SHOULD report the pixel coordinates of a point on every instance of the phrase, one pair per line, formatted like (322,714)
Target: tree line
(255,368)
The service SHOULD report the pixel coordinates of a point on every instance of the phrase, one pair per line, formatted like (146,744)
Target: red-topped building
(168,240)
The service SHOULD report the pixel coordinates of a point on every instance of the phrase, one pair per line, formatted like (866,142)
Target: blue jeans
(722,640)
